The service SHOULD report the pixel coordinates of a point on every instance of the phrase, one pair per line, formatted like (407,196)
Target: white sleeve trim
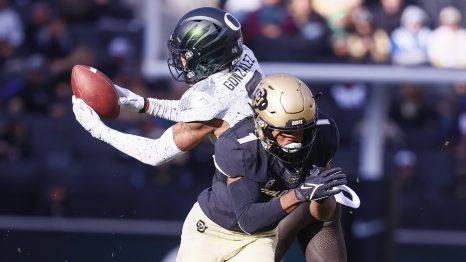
(323,122)
(149,151)
(243,229)
(248,138)
(218,167)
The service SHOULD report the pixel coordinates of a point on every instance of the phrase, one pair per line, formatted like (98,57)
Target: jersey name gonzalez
(241,71)
(223,95)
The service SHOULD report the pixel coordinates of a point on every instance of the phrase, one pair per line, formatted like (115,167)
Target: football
(96,89)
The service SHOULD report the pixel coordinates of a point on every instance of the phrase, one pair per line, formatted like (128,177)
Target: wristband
(145,106)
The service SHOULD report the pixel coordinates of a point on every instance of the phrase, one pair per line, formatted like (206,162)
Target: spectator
(446,44)
(349,101)
(309,31)
(113,9)
(36,90)
(387,15)
(54,39)
(412,109)
(15,141)
(407,186)
(338,16)
(38,16)
(239,9)
(11,31)
(77,11)
(337,12)
(178,8)
(263,31)
(365,43)
(120,59)
(409,41)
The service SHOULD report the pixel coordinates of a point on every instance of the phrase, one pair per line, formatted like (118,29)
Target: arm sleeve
(166,109)
(251,214)
(150,151)
(251,211)
(194,105)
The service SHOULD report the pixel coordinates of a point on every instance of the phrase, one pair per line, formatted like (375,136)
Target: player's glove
(319,184)
(88,118)
(129,101)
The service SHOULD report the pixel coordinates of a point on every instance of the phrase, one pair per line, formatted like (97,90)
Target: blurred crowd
(50,166)
(356,31)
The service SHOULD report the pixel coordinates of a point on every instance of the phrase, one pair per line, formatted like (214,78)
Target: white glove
(128,100)
(88,118)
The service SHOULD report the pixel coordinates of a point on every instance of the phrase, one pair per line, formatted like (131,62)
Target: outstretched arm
(166,109)
(176,140)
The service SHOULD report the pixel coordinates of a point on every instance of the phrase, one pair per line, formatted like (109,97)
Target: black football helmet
(283,102)
(205,40)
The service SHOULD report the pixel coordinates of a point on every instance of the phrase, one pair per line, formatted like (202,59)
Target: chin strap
(354,202)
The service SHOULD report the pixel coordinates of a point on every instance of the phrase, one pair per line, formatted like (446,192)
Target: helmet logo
(231,22)
(260,99)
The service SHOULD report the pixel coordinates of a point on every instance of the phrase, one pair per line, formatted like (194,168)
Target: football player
(206,52)
(264,170)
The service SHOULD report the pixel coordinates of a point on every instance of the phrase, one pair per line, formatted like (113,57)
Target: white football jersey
(223,95)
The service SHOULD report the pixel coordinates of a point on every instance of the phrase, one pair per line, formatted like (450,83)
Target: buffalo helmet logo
(260,99)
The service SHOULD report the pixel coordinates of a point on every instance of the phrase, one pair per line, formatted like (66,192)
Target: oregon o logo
(231,22)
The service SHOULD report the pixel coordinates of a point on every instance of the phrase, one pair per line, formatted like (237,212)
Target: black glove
(319,184)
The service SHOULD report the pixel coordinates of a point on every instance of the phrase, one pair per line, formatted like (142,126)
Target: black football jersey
(239,153)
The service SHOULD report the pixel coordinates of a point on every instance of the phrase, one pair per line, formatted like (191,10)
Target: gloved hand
(128,100)
(319,184)
(88,118)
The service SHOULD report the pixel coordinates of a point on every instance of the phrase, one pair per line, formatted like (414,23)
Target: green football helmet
(205,41)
